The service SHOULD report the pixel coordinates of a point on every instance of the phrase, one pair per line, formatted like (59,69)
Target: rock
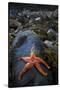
(13,23)
(19,14)
(30,21)
(51,31)
(55,14)
(21,47)
(11,30)
(13,12)
(52,45)
(49,14)
(37,19)
(48,43)
(51,34)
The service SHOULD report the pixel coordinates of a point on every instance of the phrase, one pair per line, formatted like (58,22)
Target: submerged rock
(21,47)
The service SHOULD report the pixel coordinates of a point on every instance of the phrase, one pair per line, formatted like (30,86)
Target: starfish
(31,61)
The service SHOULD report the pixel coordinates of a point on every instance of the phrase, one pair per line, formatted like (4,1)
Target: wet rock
(21,47)
(13,23)
(51,31)
(51,34)
(11,30)
(13,12)
(19,14)
(30,21)
(37,19)
(51,44)
(55,14)
(48,43)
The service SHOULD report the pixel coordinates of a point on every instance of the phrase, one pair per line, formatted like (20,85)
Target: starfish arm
(26,59)
(45,64)
(42,61)
(27,67)
(37,66)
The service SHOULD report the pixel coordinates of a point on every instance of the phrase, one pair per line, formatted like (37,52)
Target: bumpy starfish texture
(31,61)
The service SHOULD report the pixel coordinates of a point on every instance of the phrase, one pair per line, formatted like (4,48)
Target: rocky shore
(44,22)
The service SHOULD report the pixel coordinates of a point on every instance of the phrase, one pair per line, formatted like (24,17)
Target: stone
(52,45)
(51,34)
(38,18)
(49,43)
(55,14)
(22,45)
(13,23)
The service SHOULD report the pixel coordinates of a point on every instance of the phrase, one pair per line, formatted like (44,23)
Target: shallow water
(24,50)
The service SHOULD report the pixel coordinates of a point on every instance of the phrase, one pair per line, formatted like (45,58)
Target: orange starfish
(35,61)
